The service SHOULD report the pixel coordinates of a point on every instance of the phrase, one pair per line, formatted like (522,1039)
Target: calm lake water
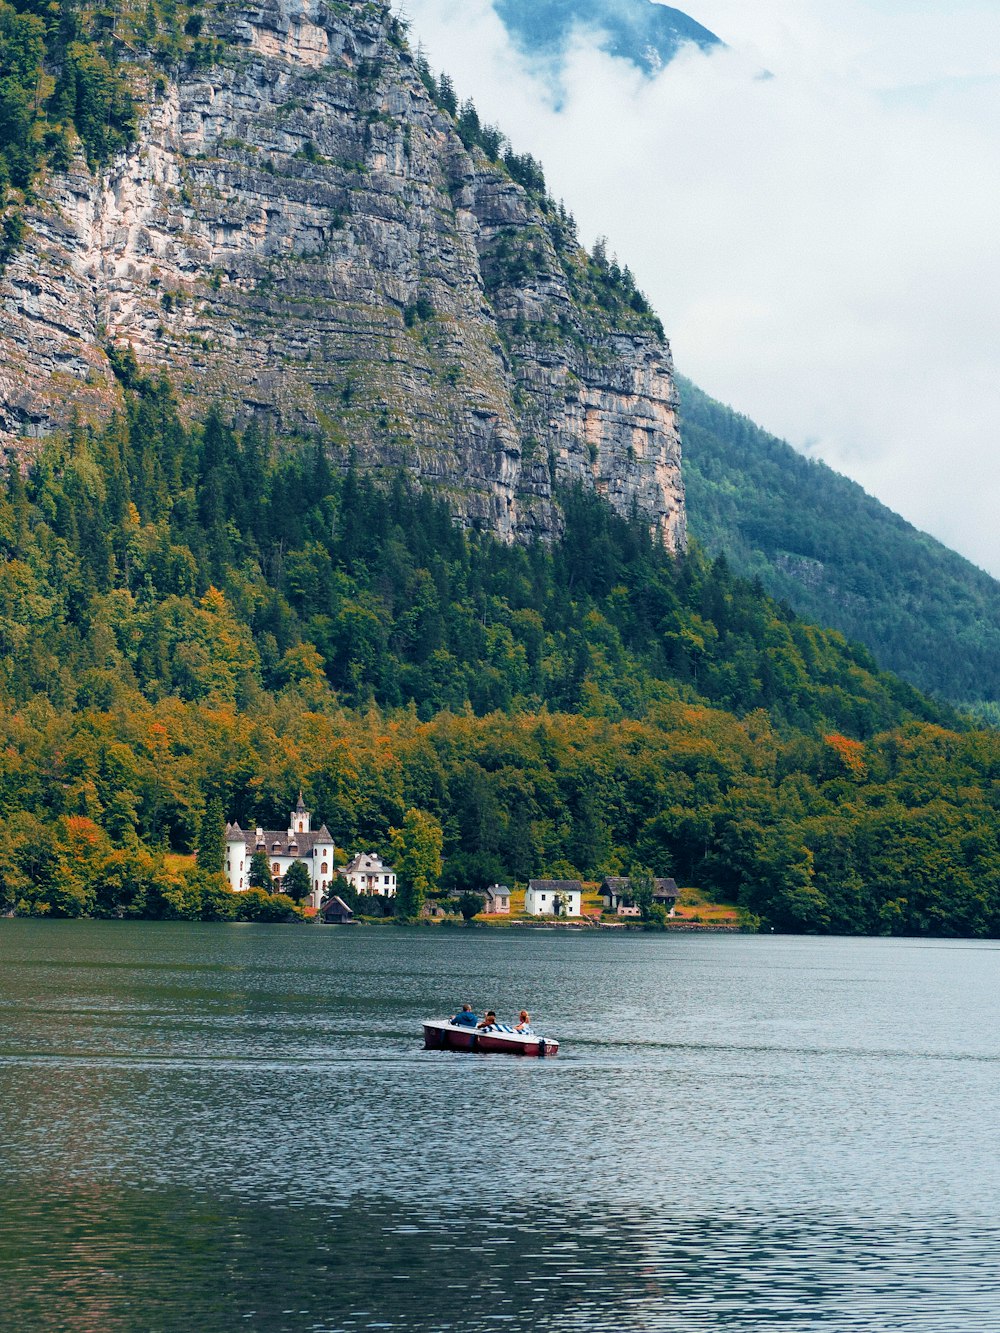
(225,1127)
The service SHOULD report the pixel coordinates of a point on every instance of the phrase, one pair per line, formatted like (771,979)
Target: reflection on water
(221,1127)
(165,1259)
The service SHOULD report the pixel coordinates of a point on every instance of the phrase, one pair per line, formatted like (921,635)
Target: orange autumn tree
(850,753)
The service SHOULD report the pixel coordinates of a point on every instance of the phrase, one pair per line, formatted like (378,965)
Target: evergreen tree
(470,904)
(259,875)
(212,838)
(297,882)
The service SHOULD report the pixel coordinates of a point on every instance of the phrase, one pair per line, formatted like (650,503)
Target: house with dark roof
(283,847)
(616,893)
(335,912)
(553,897)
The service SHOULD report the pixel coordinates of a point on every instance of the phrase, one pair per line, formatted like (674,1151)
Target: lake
(227,1127)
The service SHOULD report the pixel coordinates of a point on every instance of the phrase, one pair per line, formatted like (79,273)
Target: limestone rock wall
(300,234)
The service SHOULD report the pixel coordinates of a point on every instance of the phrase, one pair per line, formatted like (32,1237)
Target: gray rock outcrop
(300,235)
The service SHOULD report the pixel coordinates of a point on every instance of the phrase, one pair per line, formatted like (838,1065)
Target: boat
(442,1035)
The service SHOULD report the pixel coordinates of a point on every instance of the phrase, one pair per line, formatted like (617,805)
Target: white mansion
(283,847)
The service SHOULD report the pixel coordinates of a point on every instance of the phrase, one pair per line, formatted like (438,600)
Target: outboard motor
(541,1046)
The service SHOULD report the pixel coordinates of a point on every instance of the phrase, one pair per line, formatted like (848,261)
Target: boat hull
(443,1036)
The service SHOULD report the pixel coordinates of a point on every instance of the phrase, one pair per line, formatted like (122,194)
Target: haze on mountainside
(820,243)
(649,35)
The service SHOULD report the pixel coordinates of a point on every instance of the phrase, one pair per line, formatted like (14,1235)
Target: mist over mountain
(645,33)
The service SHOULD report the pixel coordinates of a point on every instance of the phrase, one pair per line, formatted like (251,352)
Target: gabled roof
(497,891)
(556,885)
(665,888)
(279,842)
(337,905)
(366,863)
(621,886)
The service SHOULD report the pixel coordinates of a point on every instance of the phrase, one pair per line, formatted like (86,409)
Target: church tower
(300,818)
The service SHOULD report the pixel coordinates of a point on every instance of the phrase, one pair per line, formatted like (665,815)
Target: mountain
(275,205)
(817,541)
(647,34)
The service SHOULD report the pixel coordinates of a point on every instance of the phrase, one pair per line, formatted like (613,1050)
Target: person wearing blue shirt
(465,1018)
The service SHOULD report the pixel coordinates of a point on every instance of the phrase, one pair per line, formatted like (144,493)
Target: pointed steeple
(300,817)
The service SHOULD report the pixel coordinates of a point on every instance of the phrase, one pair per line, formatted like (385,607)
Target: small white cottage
(497,900)
(553,897)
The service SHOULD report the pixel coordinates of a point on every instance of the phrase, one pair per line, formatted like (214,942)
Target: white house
(497,900)
(282,849)
(367,874)
(553,897)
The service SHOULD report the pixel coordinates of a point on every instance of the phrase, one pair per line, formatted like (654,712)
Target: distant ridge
(818,542)
(647,34)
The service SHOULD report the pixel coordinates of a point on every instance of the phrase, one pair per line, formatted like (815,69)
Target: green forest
(818,542)
(195,622)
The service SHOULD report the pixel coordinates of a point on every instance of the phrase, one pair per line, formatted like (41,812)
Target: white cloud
(820,243)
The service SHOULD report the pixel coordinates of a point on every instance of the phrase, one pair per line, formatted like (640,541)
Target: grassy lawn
(694,906)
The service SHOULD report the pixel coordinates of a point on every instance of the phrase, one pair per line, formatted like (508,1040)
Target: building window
(275,869)
(323,868)
(387,879)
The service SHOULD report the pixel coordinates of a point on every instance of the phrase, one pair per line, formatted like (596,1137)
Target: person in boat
(489,1021)
(465,1018)
(523,1021)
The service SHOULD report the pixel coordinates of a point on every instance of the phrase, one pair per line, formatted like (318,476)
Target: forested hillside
(195,621)
(818,542)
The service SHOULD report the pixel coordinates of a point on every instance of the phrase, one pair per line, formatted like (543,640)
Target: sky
(814,212)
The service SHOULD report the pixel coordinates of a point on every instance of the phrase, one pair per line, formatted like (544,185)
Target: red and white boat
(441,1035)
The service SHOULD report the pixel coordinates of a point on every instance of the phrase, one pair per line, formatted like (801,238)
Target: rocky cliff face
(300,234)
